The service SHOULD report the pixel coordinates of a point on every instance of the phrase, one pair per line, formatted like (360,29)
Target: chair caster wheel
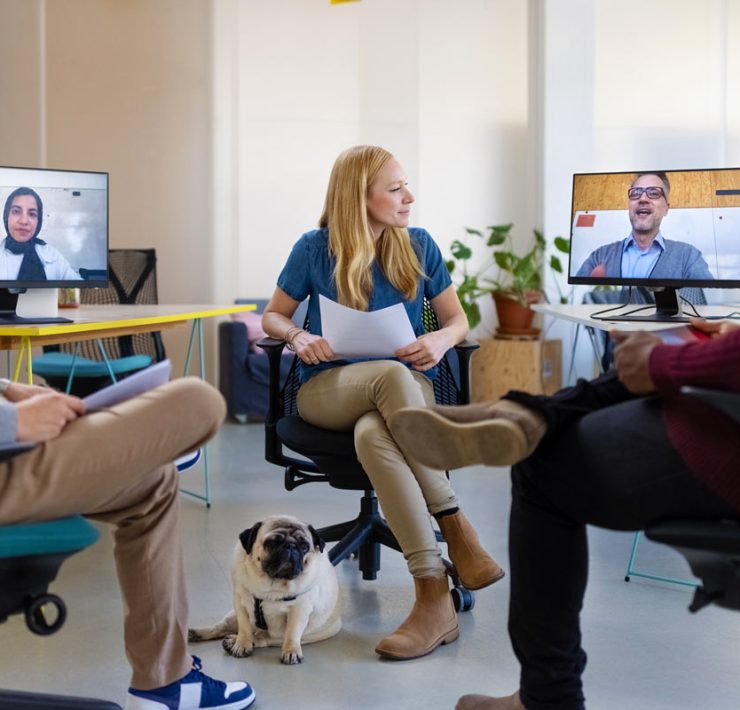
(462,599)
(45,623)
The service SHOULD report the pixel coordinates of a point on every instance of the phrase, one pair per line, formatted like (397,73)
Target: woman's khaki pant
(116,466)
(363,396)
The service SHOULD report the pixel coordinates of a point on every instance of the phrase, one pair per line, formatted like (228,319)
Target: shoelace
(196,675)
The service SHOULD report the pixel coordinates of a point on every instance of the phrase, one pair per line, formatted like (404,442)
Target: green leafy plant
(517,275)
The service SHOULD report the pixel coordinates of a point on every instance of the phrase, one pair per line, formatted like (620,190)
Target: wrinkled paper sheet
(357,334)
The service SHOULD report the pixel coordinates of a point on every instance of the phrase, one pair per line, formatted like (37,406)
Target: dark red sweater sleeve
(711,363)
(707,439)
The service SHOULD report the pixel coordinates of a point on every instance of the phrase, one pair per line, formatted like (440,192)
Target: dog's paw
(291,656)
(233,647)
(194,635)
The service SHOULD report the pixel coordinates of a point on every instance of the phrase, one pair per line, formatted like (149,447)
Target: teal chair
(30,557)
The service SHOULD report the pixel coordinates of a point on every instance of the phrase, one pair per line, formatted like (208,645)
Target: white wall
(441,85)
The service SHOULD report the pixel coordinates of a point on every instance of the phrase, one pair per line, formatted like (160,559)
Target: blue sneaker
(196,690)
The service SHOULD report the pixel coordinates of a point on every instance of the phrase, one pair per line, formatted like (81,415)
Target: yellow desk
(92,322)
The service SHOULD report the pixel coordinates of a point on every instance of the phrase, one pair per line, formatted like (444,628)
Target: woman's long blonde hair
(350,238)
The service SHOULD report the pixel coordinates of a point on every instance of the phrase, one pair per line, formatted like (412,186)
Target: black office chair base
(20,700)
(362,536)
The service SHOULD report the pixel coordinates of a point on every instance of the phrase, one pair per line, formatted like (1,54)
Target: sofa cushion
(253,322)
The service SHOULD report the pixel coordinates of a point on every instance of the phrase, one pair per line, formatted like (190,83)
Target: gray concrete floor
(646,652)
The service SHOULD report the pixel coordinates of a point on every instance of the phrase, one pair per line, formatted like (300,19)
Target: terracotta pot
(513,317)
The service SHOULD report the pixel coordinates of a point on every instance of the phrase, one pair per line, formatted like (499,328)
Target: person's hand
(426,351)
(312,349)
(631,359)
(714,328)
(43,417)
(17,391)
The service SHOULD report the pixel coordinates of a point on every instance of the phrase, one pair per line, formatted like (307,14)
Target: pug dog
(285,591)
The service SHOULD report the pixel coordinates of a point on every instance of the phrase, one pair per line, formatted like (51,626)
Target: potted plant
(516,285)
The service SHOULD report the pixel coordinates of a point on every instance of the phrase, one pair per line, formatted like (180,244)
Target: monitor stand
(668,309)
(35,306)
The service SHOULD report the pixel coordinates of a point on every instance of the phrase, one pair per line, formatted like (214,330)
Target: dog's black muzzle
(284,563)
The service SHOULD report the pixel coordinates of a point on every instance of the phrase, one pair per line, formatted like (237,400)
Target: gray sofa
(243,374)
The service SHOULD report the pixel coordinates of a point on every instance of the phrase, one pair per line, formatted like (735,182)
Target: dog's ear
(249,536)
(317,539)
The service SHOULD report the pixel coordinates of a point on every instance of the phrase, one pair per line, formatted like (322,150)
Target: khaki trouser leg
(116,466)
(363,396)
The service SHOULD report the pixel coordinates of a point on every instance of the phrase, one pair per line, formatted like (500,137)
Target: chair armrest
(464,351)
(727,402)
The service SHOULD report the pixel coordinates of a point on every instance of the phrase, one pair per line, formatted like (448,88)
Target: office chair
(332,458)
(30,557)
(81,368)
(712,548)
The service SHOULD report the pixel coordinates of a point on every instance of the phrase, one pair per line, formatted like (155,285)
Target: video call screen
(698,222)
(70,234)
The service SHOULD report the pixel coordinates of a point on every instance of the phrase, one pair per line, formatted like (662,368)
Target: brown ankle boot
(431,623)
(496,434)
(486,702)
(475,567)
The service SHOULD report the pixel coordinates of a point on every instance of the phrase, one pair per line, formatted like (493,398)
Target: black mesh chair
(712,548)
(332,458)
(133,279)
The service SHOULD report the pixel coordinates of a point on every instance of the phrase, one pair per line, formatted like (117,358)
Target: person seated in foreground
(116,466)
(621,452)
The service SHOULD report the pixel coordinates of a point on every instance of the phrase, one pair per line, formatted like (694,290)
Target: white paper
(356,334)
(679,335)
(138,383)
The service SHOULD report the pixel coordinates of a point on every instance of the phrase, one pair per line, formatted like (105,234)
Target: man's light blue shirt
(638,264)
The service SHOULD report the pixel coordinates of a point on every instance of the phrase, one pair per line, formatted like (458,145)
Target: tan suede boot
(475,567)
(492,433)
(486,702)
(431,623)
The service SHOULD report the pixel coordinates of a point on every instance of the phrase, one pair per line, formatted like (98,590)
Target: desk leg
(24,350)
(198,329)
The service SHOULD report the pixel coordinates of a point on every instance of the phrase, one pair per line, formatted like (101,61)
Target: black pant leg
(613,468)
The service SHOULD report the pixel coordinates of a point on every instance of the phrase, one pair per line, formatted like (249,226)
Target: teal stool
(30,557)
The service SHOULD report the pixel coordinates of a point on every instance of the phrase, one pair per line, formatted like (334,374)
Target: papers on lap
(356,334)
(138,383)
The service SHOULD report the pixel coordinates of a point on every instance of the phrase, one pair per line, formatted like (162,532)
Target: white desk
(581,314)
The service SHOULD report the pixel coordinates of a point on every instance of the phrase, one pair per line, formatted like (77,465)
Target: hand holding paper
(355,334)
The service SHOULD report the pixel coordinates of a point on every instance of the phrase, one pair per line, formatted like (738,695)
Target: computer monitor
(55,236)
(662,230)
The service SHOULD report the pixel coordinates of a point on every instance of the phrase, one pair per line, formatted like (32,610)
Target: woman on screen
(25,257)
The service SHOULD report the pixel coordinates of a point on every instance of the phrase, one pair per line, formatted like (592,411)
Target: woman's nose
(409,196)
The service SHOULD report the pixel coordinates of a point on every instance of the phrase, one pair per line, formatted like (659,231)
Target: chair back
(133,279)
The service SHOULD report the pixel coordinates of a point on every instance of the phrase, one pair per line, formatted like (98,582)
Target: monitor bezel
(649,283)
(16,285)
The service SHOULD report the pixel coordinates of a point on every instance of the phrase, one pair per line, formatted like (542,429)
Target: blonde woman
(365,257)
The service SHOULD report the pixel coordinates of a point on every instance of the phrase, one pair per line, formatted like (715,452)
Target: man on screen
(645,253)
(25,257)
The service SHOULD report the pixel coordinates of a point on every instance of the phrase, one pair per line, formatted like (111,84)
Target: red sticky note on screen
(585,220)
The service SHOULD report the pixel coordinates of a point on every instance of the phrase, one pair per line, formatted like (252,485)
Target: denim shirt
(309,272)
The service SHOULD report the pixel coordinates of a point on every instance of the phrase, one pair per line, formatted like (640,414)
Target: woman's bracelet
(290,336)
